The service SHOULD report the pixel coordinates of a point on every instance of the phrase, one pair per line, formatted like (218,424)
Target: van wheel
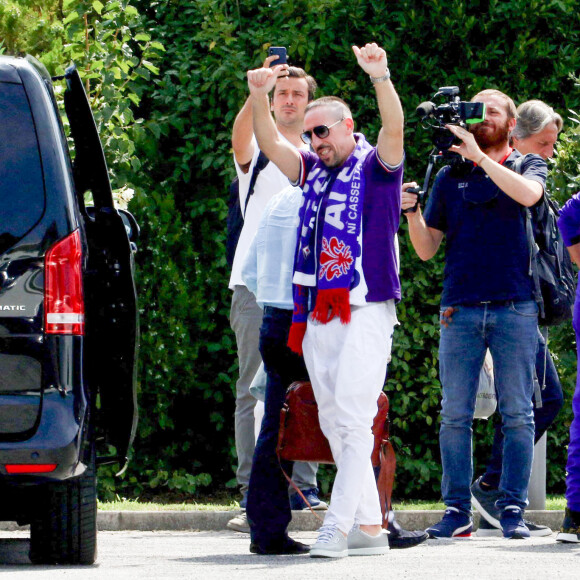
(66,531)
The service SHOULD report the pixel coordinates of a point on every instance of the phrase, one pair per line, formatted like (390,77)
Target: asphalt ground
(218,555)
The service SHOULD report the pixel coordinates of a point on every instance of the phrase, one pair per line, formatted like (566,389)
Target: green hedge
(527,49)
(183,156)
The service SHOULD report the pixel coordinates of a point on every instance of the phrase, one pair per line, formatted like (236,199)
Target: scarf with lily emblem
(332,207)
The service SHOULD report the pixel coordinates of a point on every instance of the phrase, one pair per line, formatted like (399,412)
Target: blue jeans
(268,506)
(509,330)
(551,402)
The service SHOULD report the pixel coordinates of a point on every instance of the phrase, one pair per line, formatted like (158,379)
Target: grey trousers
(245,320)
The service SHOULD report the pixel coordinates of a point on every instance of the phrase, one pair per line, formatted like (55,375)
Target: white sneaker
(362,544)
(239,523)
(331,543)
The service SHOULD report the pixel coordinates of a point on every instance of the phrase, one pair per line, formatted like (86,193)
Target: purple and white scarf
(329,269)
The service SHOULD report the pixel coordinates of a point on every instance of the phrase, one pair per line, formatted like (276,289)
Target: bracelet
(382,79)
(484,156)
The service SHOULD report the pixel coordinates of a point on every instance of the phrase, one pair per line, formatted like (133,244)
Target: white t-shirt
(270,181)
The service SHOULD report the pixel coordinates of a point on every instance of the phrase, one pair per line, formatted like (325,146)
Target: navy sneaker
(244,501)
(484,502)
(455,524)
(512,523)
(486,530)
(297,503)
(570,530)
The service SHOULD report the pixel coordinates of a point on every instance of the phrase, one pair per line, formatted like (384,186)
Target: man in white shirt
(289,99)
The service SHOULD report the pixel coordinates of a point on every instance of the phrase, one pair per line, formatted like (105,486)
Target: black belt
(488,303)
(281,311)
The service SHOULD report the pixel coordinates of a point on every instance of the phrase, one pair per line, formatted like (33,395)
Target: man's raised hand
(262,80)
(372,59)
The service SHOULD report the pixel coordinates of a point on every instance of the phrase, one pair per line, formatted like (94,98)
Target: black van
(68,315)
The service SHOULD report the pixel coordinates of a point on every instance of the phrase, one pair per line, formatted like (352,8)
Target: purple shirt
(569,221)
(569,224)
(380,222)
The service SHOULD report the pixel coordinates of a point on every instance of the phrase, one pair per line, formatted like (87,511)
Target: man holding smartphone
(345,282)
(290,96)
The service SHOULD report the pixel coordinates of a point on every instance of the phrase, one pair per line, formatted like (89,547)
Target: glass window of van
(21,183)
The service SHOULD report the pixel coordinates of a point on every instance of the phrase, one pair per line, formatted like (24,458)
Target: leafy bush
(33,27)
(168,137)
(525,50)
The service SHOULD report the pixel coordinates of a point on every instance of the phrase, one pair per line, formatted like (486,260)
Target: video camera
(453,112)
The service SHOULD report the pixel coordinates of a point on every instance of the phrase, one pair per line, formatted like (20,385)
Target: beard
(487,138)
(328,156)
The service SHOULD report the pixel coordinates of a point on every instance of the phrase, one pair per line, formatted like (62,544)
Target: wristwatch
(385,77)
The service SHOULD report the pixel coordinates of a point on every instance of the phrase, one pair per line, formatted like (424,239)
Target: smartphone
(281,52)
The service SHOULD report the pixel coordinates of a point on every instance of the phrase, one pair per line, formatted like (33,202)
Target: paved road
(223,555)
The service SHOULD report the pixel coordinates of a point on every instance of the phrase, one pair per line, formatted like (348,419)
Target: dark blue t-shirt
(486,253)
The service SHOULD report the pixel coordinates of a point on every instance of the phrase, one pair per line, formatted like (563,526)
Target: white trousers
(347,364)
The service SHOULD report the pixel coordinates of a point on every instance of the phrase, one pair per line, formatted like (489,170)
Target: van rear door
(111,329)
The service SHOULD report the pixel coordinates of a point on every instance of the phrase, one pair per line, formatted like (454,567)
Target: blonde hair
(510,106)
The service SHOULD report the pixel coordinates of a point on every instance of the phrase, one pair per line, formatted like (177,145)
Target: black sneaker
(400,538)
(486,530)
(570,530)
(512,523)
(484,502)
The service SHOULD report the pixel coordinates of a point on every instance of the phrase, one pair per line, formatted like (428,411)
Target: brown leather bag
(301,439)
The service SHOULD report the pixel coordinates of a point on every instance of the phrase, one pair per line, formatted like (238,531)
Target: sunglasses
(321,131)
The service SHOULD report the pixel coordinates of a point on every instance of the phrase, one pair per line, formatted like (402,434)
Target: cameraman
(486,303)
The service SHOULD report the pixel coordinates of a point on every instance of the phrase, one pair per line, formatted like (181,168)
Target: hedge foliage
(526,49)
(188,368)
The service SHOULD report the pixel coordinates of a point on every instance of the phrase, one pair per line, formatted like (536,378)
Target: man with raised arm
(345,282)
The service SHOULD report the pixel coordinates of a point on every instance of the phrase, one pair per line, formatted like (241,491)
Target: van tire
(66,531)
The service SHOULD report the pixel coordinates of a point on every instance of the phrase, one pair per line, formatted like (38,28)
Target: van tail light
(30,468)
(63,300)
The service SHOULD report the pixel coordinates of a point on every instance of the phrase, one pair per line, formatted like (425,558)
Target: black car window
(22,195)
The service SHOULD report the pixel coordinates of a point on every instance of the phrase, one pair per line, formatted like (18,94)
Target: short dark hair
(299,73)
(333,102)
(533,117)
(510,106)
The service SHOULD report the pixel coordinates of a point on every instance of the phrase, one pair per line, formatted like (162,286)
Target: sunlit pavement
(225,555)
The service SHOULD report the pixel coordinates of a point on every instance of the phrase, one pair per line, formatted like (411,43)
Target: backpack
(550,263)
(235,220)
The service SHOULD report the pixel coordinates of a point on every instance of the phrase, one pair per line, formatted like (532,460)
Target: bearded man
(486,303)
(346,283)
